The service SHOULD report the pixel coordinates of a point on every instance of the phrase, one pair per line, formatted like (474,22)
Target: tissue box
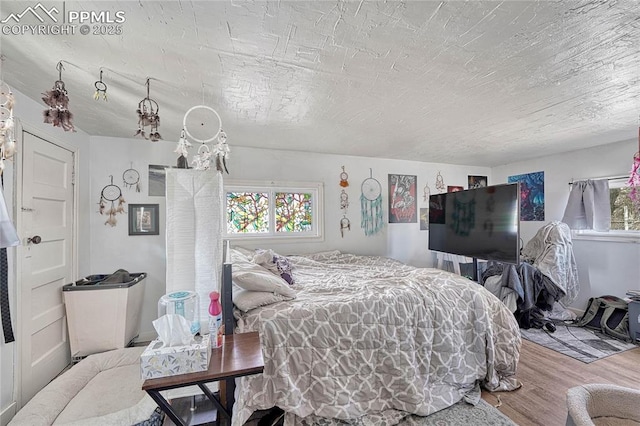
(157,361)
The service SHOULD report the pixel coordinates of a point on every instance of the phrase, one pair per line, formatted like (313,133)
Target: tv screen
(482,222)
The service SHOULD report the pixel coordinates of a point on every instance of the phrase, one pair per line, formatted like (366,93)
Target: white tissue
(173,330)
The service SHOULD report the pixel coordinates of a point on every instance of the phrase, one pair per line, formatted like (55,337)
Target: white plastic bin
(102,316)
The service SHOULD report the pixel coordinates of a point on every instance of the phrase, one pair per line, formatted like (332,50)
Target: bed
(370,340)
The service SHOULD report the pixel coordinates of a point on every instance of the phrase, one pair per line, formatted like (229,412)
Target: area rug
(462,414)
(580,343)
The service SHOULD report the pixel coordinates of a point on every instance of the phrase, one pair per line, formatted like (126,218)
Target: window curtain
(588,206)
(194,234)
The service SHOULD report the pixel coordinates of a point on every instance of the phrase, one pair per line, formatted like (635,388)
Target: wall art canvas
(476,181)
(452,188)
(157,179)
(424,219)
(403,204)
(531,195)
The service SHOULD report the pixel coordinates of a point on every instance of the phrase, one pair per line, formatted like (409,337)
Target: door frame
(36,132)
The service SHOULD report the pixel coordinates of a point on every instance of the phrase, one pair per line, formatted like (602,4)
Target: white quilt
(370,339)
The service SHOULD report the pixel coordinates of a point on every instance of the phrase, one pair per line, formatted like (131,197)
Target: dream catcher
(634,178)
(202,127)
(148,117)
(7,135)
(57,100)
(101,89)
(345,223)
(371,205)
(131,178)
(425,193)
(110,194)
(343,178)
(439,182)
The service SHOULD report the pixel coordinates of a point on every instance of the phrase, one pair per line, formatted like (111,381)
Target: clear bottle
(215,320)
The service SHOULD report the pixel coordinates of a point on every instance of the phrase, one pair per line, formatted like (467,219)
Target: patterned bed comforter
(370,339)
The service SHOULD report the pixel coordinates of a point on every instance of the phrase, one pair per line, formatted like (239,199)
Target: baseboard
(8,413)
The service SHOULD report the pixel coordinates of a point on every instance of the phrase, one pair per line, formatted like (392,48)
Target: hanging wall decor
(57,100)
(206,121)
(425,193)
(344,182)
(345,223)
(372,219)
(439,182)
(101,89)
(148,110)
(531,195)
(403,206)
(110,194)
(7,124)
(131,178)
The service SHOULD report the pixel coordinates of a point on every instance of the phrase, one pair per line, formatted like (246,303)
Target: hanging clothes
(8,235)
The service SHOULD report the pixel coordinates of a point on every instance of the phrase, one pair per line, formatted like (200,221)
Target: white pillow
(247,300)
(260,279)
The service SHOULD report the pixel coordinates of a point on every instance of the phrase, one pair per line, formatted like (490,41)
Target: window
(624,215)
(625,218)
(273,210)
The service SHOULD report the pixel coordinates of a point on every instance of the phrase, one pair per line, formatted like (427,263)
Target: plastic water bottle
(215,320)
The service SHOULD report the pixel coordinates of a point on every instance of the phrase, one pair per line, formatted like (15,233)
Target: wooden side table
(240,355)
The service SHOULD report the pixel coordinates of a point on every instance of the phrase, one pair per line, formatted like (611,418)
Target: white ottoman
(603,405)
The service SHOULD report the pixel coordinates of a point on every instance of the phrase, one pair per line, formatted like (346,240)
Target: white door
(46,262)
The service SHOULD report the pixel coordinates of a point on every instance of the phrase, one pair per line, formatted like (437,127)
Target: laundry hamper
(102,314)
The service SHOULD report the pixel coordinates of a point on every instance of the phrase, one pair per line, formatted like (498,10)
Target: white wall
(603,267)
(29,114)
(113,248)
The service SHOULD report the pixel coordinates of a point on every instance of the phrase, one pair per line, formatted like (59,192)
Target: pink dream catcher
(634,177)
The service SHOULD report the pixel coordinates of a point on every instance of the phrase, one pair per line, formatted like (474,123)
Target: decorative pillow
(247,300)
(275,263)
(262,280)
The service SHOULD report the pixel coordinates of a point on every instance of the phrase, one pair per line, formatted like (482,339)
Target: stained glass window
(269,210)
(293,212)
(248,212)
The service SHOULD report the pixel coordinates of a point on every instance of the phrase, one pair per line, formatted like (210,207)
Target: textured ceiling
(477,82)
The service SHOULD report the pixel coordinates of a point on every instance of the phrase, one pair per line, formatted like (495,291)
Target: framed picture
(476,181)
(456,188)
(144,219)
(424,219)
(531,195)
(403,202)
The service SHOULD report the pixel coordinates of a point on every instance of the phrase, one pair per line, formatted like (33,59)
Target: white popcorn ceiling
(478,82)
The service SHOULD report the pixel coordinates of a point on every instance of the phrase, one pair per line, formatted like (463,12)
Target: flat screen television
(482,223)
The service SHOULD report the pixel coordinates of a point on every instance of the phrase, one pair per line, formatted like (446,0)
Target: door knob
(35,240)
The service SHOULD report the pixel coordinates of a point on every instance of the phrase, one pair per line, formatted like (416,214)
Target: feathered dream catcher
(57,100)
(101,89)
(634,177)
(131,178)
(345,223)
(203,124)
(110,194)
(439,183)
(148,118)
(7,124)
(371,205)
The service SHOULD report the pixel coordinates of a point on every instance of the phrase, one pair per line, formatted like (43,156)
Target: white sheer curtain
(588,206)
(194,234)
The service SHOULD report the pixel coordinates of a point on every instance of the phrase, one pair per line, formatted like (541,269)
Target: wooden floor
(546,376)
